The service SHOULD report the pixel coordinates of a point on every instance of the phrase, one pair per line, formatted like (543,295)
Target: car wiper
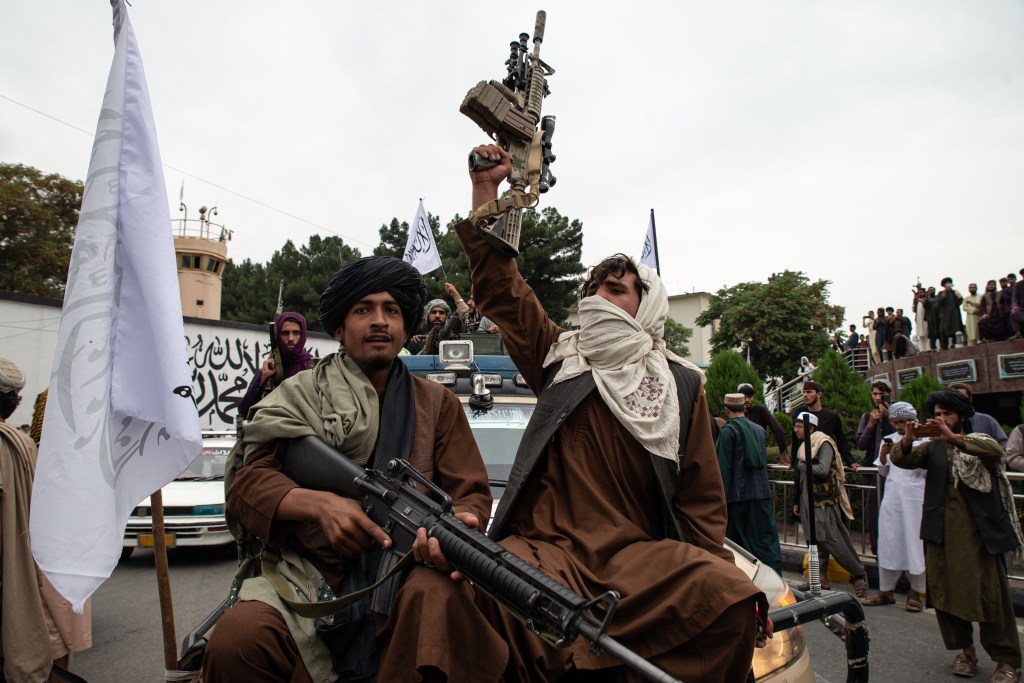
(214,477)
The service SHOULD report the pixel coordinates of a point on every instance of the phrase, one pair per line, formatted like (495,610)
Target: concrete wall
(223,356)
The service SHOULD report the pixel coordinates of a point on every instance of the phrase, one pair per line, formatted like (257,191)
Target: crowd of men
(618,417)
(946,519)
(944,318)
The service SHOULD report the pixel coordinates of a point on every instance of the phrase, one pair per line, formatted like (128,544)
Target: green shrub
(846,392)
(916,393)
(726,371)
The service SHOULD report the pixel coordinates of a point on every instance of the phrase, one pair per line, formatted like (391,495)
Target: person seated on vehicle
(469,314)
(616,484)
(440,325)
(290,330)
(362,401)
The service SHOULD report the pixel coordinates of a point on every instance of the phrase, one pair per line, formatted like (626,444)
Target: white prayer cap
(811,416)
(11,377)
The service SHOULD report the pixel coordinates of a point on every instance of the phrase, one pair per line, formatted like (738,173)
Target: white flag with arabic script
(649,254)
(421,250)
(120,419)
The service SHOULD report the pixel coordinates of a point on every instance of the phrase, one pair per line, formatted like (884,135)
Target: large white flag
(649,254)
(120,418)
(421,251)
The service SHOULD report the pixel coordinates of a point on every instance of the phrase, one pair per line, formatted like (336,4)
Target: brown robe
(251,641)
(590,515)
(24,638)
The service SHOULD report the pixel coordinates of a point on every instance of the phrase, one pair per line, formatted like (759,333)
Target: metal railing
(859,484)
(789,396)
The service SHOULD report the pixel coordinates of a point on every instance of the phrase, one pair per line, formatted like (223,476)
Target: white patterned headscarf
(629,361)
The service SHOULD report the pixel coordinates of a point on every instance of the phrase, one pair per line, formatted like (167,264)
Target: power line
(202,180)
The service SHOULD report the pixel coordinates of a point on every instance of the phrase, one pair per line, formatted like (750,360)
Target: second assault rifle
(509,112)
(546,607)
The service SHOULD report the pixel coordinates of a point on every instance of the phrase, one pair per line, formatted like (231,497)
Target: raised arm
(498,287)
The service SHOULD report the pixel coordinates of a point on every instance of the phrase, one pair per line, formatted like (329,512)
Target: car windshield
(497,433)
(209,464)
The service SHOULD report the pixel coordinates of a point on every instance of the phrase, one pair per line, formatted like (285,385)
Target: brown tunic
(590,514)
(963,578)
(252,642)
(448,444)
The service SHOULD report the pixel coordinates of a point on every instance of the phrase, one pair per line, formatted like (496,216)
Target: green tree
(38,217)
(916,393)
(549,259)
(551,247)
(727,371)
(779,321)
(677,337)
(250,290)
(845,391)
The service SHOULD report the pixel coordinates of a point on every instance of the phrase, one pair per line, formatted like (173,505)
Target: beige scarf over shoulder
(334,401)
(629,361)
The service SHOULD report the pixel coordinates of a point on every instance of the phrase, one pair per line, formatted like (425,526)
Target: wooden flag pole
(163,582)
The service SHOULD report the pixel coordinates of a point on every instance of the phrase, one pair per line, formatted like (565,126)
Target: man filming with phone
(969,526)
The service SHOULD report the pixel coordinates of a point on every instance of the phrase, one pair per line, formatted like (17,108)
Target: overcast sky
(867,143)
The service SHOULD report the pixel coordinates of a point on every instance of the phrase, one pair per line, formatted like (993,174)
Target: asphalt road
(905,647)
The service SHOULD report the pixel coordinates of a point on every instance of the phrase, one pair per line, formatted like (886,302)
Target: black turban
(369,275)
(951,400)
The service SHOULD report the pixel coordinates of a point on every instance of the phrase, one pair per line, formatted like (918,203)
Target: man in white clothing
(900,548)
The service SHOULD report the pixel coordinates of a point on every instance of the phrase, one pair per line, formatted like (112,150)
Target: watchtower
(201,250)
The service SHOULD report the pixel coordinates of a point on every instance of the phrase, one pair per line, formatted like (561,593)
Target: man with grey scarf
(362,401)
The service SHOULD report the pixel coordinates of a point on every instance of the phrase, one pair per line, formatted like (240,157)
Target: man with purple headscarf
(290,333)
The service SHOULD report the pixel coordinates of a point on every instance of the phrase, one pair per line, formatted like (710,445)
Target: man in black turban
(368,275)
(363,402)
(969,526)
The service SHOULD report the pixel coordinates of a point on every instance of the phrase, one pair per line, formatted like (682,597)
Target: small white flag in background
(120,419)
(649,254)
(421,251)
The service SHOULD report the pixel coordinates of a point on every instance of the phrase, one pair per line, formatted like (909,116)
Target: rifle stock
(545,606)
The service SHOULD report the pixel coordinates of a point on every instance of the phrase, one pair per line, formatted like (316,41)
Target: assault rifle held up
(509,112)
(546,607)
(275,351)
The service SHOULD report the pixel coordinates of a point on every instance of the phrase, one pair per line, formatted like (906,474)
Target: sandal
(965,666)
(914,602)
(860,588)
(1005,673)
(878,599)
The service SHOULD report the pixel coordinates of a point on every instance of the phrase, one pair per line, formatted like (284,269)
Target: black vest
(986,509)
(555,403)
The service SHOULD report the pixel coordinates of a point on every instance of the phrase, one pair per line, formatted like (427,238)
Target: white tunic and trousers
(900,548)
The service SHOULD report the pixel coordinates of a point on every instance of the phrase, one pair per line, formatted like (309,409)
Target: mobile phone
(891,438)
(926,430)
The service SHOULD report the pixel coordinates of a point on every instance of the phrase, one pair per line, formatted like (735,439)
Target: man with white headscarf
(616,484)
(900,548)
(831,502)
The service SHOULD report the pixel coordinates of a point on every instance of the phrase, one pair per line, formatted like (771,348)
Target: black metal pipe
(841,613)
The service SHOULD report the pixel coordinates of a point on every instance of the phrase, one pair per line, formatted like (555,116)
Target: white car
(498,432)
(193,503)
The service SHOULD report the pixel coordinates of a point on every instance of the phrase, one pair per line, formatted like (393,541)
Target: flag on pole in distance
(120,418)
(421,250)
(649,254)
